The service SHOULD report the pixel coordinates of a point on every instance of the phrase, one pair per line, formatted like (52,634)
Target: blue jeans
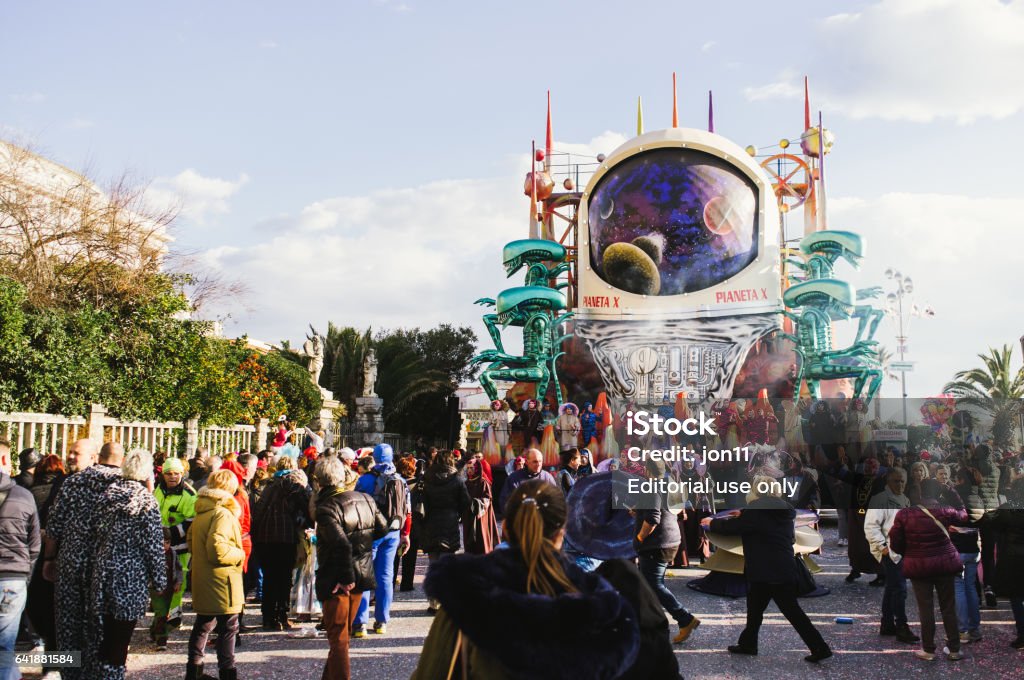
(968,608)
(13,594)
(894,597)
(1017,606)
(653,570)
(384,551)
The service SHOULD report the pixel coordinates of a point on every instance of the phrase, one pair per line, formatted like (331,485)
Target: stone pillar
(369,420)
(262,433)
(191,436)
(96,419)
(327,421)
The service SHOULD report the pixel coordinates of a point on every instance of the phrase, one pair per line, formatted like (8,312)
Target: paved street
(861,653)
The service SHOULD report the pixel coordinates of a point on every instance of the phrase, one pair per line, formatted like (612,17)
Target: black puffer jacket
(347,524)
(446,501)
(19,530)
(282,513)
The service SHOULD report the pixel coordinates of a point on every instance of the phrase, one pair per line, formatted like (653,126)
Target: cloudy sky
(362,161)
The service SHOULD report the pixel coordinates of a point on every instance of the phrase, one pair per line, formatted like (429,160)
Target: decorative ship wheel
(791,189)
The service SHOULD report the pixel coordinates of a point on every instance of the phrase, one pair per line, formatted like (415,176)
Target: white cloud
(407,257)
(916,60)
(268,45)
(28,98)
(198,197)
(706,47)
(400,7)
(396,257)
(79,123)
(955,250)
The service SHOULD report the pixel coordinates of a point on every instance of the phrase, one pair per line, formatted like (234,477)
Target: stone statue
(369,373)
(314,349)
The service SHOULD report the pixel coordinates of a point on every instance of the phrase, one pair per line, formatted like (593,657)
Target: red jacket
(927,550)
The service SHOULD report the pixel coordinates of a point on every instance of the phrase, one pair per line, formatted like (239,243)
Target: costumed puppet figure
(667,410)
(792,427)
(588,423)
(762,427)
(605,417)
(498,419)
(858,429)
(568,426)
(729,426)
(548,416)
(529,423)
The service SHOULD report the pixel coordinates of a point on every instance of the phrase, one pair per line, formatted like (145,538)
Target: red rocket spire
(807,106)
(549,138)
(675,103)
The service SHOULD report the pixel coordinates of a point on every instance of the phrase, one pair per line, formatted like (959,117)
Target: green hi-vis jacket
(177,510)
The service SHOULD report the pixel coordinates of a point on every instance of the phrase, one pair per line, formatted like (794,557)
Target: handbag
(805,584)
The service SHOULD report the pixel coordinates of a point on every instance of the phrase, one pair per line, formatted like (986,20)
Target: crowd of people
(93,542)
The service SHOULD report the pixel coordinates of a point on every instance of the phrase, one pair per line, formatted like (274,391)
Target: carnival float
(670,275)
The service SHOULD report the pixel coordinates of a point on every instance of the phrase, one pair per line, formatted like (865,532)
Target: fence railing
(153,436)
(55,433)
(221,440)
(44,432)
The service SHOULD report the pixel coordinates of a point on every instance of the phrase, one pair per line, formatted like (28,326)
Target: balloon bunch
(936,411)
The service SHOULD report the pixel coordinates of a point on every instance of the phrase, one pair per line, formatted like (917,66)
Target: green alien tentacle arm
(486,302)
(491,323)
(799,264)
(559,269)
(869,292)
(563,318)
(868,318)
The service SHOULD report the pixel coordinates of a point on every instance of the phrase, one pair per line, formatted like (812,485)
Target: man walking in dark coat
(769,564)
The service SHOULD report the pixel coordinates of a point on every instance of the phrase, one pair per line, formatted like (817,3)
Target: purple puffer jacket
(926,549)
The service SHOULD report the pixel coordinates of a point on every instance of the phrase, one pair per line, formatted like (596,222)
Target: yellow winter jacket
(215,541)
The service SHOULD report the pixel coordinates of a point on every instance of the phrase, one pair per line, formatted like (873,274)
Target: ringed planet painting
(672,220)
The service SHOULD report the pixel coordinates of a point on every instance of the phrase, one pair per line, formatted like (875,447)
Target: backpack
(391,495)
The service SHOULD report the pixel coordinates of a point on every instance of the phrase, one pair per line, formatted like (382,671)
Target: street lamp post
(904,286)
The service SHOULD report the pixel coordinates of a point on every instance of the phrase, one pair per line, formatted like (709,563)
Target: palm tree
(995,389)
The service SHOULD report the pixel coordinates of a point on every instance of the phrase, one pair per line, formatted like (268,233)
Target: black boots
(820,655)
(905,635)
(194,671)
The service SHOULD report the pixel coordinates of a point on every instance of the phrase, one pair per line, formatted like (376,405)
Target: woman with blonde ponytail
(526,611)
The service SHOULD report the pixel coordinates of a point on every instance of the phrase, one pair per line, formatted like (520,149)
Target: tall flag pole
(675,103)
(711,112)
(639,116)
